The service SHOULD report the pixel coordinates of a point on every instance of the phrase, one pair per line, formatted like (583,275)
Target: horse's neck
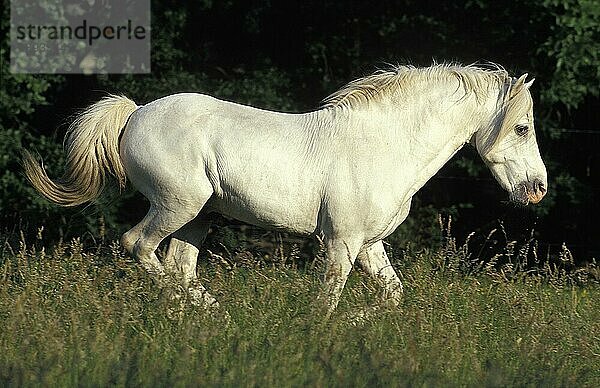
(421,133)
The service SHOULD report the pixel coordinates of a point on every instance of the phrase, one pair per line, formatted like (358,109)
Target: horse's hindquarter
(162,150)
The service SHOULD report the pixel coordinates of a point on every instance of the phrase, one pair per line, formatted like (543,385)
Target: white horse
(346,172)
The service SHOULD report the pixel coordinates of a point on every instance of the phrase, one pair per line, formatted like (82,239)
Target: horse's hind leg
(133,241)
(182,257)
(184,248)
(166,215)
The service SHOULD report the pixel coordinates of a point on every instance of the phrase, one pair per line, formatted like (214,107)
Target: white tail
(92,146)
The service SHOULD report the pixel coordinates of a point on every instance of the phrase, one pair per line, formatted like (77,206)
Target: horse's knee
(135,246)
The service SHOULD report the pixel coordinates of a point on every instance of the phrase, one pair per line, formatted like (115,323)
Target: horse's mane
(473,78)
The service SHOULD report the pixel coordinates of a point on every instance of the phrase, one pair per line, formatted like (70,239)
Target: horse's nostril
(534,190)
(539,186)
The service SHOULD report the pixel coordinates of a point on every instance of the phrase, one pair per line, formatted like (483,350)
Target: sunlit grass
(74,316)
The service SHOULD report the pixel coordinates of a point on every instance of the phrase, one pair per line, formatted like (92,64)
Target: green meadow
(73,315)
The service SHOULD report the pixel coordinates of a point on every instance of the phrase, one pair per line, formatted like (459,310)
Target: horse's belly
(277,213)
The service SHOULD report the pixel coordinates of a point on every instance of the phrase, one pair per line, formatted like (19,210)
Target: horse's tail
(92,146)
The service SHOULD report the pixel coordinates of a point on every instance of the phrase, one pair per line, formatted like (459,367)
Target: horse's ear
(521,81)
(518,85)
(528,84)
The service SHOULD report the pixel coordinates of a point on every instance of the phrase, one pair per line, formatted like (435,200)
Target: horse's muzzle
(529,192)
(537,191)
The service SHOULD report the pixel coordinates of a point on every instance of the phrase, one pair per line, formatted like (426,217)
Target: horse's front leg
(376,263)
(340,258)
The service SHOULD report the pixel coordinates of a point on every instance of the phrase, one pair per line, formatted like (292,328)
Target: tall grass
(77,316)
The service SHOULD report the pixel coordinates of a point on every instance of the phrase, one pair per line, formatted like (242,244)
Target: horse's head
(509,148)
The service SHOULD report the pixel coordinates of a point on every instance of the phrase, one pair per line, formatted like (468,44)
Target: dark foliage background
(288,55)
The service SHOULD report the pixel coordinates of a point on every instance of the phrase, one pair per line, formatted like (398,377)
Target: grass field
(75,316)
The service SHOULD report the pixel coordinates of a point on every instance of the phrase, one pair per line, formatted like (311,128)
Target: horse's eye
(521,130)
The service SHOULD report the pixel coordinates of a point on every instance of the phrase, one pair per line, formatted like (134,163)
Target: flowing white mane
(372,87)
(515,100)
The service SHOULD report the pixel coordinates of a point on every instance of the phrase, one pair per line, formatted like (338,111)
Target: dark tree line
(288,55)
